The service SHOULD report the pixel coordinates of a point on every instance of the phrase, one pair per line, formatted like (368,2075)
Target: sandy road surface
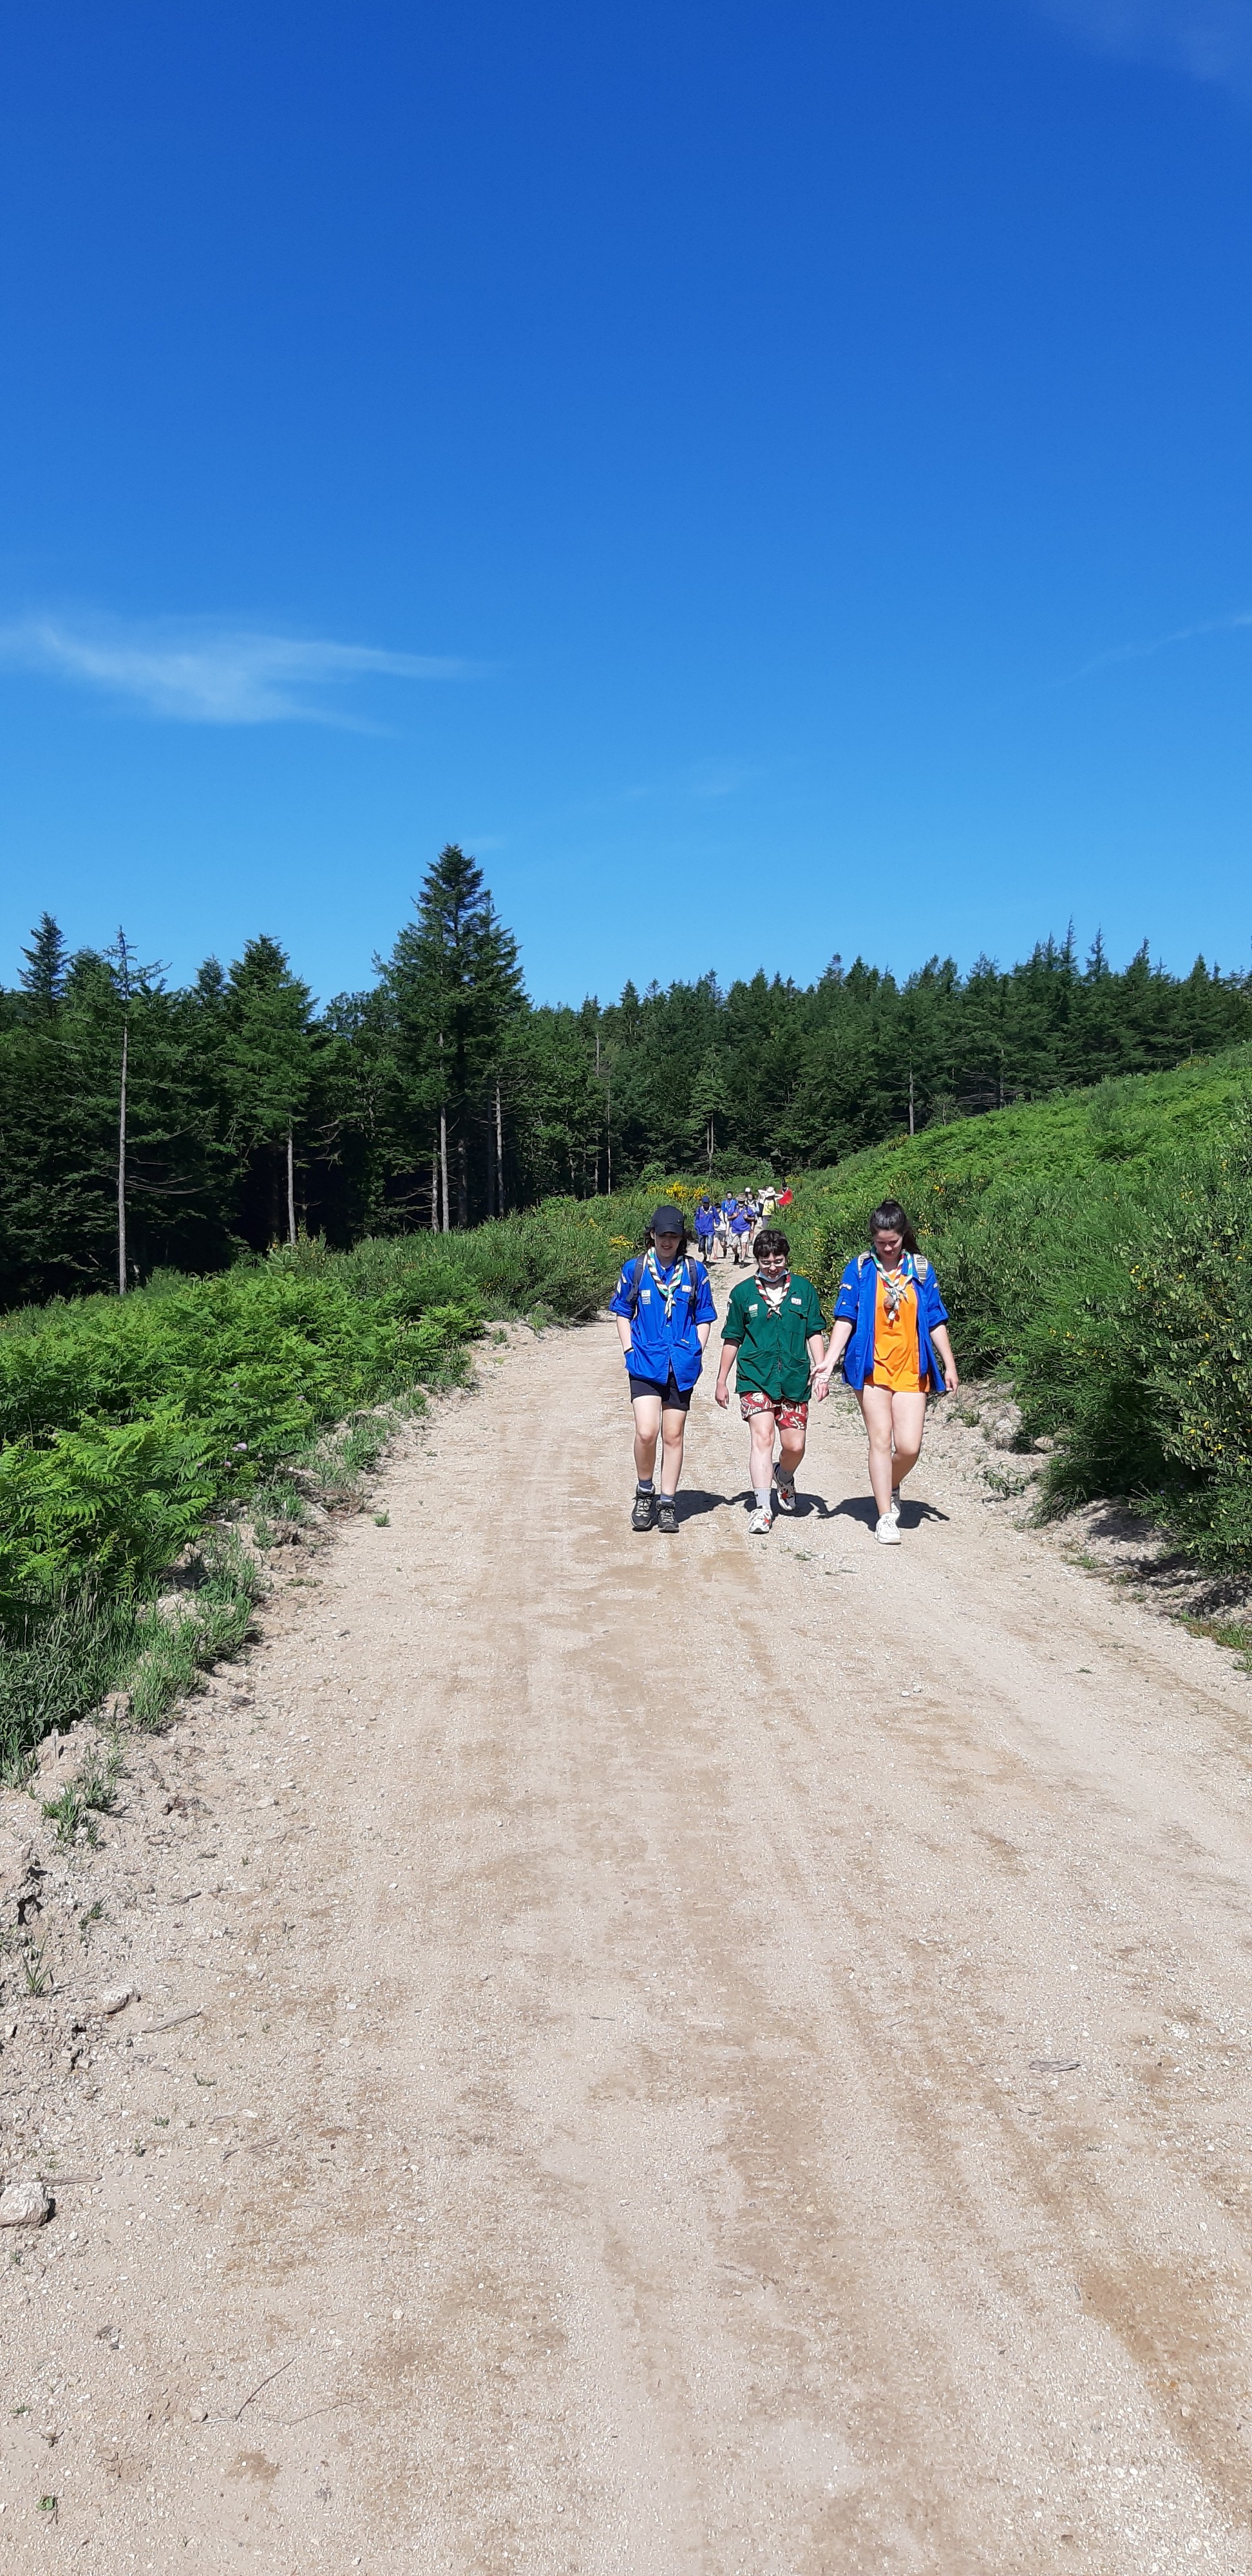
(722,2056)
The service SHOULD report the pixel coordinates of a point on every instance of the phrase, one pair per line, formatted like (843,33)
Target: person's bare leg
(908,1422)
(790,1452)
(875,1402)
(761,1450)
(647,1413)
(673,1428)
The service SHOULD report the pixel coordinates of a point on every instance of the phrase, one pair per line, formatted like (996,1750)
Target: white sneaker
(894,1513)
(760,1522)
(785,1494)
(886,1533)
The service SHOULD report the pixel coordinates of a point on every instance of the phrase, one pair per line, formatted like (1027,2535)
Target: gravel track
(723,2056)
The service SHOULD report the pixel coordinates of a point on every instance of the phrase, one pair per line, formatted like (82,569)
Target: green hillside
(1094,1248)
(1120,1127)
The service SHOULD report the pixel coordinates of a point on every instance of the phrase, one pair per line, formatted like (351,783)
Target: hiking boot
(886,1533)
(785,1494)
(666,1517)
(644,1512)
(761,1521)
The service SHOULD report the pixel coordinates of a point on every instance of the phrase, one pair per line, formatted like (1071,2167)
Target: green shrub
(126,1424)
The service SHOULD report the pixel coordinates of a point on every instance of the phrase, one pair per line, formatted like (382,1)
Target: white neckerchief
(771,1292)
(669,1289)
(896,1283)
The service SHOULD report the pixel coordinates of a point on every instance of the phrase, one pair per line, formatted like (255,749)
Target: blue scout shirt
(856,1301)
(661,1342)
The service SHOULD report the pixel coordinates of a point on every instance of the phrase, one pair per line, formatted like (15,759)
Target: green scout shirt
(773,1359)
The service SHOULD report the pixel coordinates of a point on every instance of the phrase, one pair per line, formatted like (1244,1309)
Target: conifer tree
(708,1103)
(43,976)
(268,1057)
(455,987)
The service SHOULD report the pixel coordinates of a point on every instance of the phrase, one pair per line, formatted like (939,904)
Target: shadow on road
(863,1508)
(693,1503)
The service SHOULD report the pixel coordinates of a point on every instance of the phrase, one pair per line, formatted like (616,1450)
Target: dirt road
(711,2055)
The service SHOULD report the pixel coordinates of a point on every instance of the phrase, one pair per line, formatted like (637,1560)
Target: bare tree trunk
(499,1152)
(462,1181)
(491,1165)
(121,1164)
(443,1165)
(291,1186)
(912,1128)
(434,1190)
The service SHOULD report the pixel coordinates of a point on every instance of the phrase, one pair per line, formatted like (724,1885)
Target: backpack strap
(693,1286)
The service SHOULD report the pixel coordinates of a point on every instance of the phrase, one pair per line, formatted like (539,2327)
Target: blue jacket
(705,1220)
(658,1346)
(856,1301)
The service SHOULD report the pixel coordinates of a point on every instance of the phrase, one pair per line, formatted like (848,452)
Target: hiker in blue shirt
(664,1309)
(705,1222)
(742,1229)
(890,1339)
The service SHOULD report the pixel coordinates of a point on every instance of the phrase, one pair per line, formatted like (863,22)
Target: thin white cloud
(195,672)
(1209,39)
(1241,617)
(707,778)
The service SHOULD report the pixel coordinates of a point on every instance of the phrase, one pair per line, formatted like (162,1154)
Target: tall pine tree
(455,987)
(268,1059)
(42,978)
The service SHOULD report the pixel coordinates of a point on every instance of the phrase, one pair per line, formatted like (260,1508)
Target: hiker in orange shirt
(891,1336)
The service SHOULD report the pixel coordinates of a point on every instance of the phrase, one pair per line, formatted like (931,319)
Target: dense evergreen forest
(146,1127)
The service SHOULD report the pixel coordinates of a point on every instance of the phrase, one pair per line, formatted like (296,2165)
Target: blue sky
(769,479)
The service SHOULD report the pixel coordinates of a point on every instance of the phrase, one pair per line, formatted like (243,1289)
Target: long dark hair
(891,1219)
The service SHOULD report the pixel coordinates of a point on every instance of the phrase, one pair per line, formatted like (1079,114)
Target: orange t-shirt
(895,1344)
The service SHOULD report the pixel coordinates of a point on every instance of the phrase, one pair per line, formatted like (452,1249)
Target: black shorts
(674,1398)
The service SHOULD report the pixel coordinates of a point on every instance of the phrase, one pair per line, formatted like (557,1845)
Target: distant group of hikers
(889,1338)
(726,1229)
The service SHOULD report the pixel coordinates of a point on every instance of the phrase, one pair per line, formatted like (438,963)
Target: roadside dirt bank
(708,2055)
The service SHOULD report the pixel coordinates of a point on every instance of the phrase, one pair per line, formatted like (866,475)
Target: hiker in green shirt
(773,1329)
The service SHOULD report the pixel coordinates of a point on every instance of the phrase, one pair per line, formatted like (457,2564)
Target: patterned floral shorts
(789,1417)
